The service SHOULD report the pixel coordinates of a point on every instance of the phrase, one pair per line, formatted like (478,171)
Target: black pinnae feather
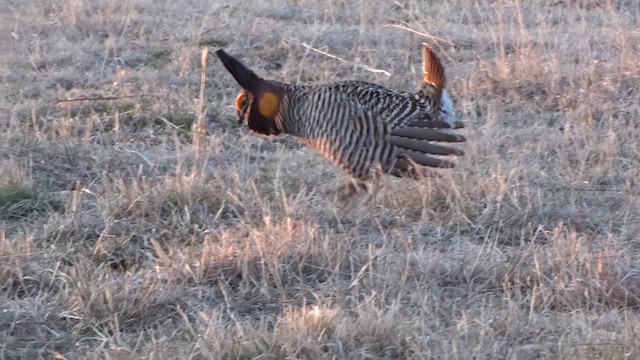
(243,75)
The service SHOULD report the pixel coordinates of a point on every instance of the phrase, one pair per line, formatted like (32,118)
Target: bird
(366,129)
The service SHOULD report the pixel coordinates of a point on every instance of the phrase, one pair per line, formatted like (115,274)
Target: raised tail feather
(433,78)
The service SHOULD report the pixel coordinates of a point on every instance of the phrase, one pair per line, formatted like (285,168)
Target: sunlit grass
(117,241)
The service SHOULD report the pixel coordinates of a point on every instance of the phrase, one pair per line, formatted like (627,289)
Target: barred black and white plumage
(362,127)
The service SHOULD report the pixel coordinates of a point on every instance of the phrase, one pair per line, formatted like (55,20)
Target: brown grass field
(120,240)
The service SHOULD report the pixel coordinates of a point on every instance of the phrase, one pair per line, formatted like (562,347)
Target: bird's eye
(242,106)
(242,101)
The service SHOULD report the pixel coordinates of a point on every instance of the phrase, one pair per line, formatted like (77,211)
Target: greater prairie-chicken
(364,128)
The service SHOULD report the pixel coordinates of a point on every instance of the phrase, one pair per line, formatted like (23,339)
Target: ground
(122,237)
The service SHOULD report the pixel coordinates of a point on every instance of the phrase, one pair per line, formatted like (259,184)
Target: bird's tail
(433,78)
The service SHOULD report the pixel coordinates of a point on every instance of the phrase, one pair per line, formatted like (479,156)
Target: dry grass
(117,243)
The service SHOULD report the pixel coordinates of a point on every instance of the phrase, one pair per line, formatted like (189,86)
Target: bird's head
(259,101)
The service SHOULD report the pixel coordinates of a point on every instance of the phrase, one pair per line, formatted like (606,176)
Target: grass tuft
(18,201)
(213,42)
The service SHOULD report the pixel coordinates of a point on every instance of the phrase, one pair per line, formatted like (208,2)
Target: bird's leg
(348,190)
(406,168)
(352,187)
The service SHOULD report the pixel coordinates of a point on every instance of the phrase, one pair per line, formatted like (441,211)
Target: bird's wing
(420,139)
